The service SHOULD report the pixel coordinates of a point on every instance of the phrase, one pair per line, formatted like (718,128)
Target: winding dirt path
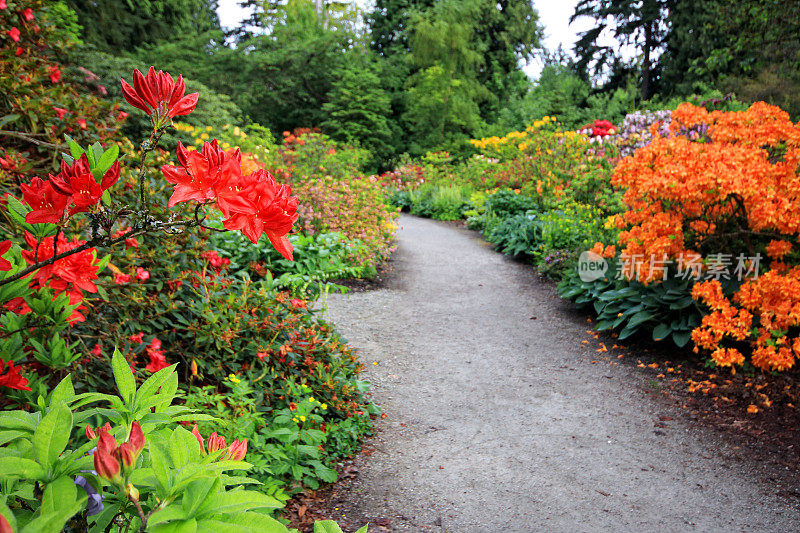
(497,421)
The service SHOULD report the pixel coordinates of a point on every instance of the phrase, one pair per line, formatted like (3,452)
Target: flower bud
(106,466)
(237,450)
(216,443)
(94,433)
(132,492)
(136,438)
(107,443)
(196,433)
(126,455)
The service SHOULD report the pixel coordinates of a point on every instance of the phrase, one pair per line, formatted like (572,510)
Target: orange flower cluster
(724,182)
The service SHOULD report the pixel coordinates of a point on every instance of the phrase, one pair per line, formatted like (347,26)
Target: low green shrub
(665,311)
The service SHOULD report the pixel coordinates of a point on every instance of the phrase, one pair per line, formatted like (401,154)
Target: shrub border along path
(496,421)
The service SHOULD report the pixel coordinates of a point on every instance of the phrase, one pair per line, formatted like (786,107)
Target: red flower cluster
(156,355)
(215,260)
(73,273)
(253,203)
(236,451)
(11,378)
(159,95)
(602,128)
(113,462)
(74,184)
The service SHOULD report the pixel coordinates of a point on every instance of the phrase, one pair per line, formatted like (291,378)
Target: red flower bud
(107,443)
(216,443)
(196,433)
(93,433)
(126,455)
(136,438)
(238,450)
(5,527)
(106,466)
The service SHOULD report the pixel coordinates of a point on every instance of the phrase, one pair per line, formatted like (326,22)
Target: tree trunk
(648,45)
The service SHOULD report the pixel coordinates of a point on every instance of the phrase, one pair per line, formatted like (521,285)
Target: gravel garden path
(498,421)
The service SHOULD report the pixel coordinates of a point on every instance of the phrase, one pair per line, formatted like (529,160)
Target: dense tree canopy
(120,26)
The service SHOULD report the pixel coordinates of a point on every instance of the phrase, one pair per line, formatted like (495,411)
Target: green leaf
(18,420)
(639,318)
(237,502)
(177,526)
(362,530)
(126,383)
(178,450)
(52,435)
(158,461)
(17,467)
(108,158)
(682,338)
(152,384)
(64,392)
(247,522)
(168,514)
(11,435)
(59,504)
(6,512)
(75,149)
(661,331)
(327,526)
(197,493)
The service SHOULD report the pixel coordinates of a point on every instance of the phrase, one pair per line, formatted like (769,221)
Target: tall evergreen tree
(358,108)
(639,23)
(508,32)
(443,95)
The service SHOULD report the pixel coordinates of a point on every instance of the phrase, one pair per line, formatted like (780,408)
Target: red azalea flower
(159,95)
(97,351)
(82,123)
(60,112)
(256,204)
(298,304)
(5,265)
(14,33)
(157,362)
(261,355)
(122,116)
(3,4)
(11,378)
(155,344)
(17,305)
(200,172)
(19,51)
(138,338)
(71,273)
(122,279)
(27,14)
(48,205)
(55,77)
(142,274)
(77,181)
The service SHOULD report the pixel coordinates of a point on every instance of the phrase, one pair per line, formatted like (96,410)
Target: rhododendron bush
(41,99)
(725,196)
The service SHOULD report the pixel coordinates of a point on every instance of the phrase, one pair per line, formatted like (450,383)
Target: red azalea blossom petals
(159,95)
(46,203)
(5,264)
(11,378)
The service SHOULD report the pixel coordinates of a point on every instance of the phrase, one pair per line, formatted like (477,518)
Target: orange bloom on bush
(724,183)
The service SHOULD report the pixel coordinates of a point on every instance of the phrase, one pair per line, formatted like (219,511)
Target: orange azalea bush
(723,187)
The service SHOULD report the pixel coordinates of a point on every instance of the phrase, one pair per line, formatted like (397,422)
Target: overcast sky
(553,15)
